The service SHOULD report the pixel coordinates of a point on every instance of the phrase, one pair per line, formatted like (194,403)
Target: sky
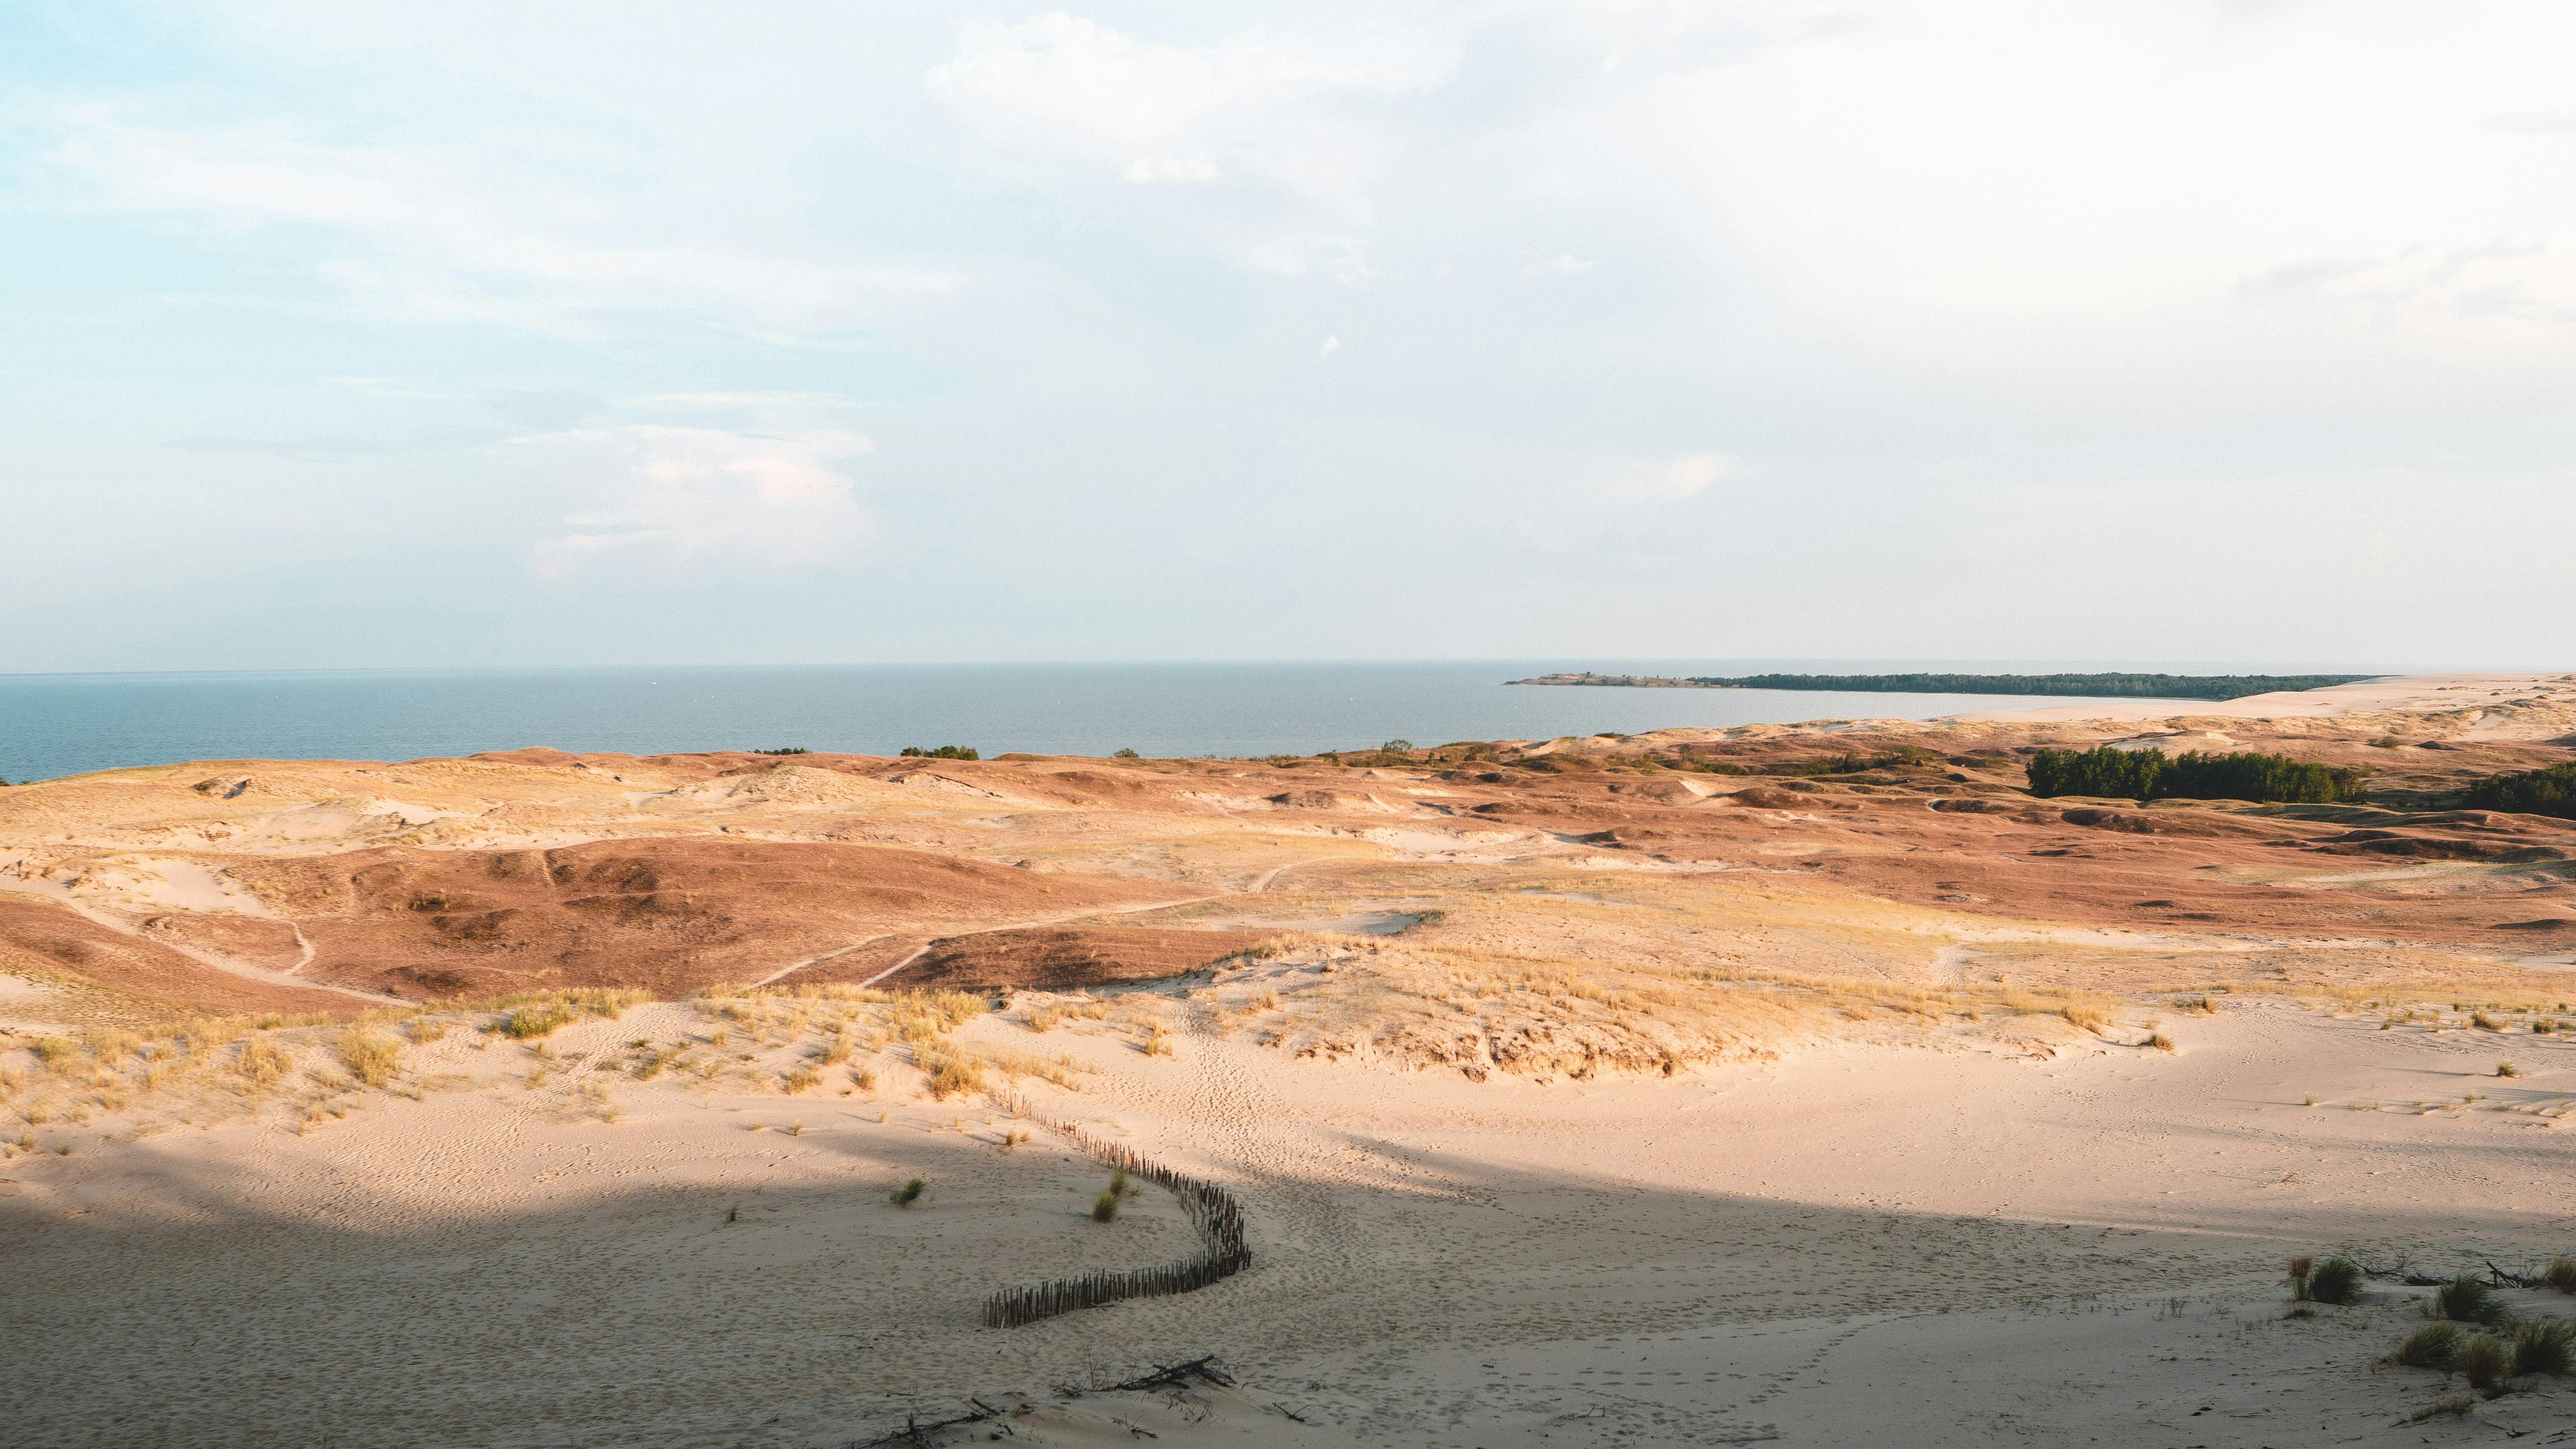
(341,334)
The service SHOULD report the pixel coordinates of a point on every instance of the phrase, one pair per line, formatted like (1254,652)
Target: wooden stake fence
(1212,1211)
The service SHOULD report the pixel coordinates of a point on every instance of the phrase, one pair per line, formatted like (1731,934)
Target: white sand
(2413,693)
(1857,1238)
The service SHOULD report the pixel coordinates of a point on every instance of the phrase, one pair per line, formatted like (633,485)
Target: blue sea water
(61,724)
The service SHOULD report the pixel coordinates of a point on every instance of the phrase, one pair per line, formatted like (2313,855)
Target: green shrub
(1124,755)
(2148,775)
(2434,1346)
(2560,1274)
(2336,1280)
(910,1192)
(2104,771)
(784,750)
(944,752)
(2533,792)
(2486,1360)
(2468,1299)
(539,1019)
(1104,1207)
(2544,1346)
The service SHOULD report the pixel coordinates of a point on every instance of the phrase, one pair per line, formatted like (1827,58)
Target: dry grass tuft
(2485,1360)
(424,1029)
(533,1021)
(2158,1041)
(2456,1406)
(928,1016)
(2560,1274)
(803,1078)
(370,1057)
(2433,1346)
(950,1072)
(262,1063)
(2507,1069)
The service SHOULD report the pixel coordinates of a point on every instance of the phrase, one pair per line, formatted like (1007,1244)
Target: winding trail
(925,946)
(784,971)
(211,960)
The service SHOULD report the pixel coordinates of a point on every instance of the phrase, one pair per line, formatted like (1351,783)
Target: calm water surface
(62,724)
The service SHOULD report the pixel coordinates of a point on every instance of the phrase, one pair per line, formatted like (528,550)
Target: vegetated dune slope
(1704,1086)
(1669,859)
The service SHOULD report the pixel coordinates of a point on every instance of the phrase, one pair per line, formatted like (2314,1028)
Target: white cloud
(1331,345)
(692,499)
(1665,479)
(1287,137)
(1564,266)
(448,234)
(1145,170)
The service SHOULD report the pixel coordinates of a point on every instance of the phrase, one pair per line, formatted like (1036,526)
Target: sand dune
(1576,1093)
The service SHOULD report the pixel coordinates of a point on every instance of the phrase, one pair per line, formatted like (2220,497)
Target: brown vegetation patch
(2434,847)
(1059,958)
(669,915)
(53,940)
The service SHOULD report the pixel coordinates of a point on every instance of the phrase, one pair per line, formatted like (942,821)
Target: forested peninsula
(2089,686)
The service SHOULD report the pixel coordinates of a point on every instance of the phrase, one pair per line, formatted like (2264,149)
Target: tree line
(2193,775)
(2118,686)
(2550,791)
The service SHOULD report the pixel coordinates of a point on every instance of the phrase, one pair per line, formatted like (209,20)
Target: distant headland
(2094,686)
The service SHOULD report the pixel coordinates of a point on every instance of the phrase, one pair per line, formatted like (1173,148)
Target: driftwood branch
(916,1433)
(1176,1377)
(2399,1272)
(2503,1278)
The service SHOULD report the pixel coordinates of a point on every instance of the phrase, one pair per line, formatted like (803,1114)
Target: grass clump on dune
(262,1063)
(951,1072)
(526,1018)
(2485,1360)
(2337,1279)
(2544,1346)
(909,1193)
(2434,1346)
(2456,1406)
(2560,1274)
(538,1020)
(2468,1299)
(369,1056)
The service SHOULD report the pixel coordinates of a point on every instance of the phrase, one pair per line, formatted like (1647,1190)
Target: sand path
(1056,920)
(63,895)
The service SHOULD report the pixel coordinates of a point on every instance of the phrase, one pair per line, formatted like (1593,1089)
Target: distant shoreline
(2093,686)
